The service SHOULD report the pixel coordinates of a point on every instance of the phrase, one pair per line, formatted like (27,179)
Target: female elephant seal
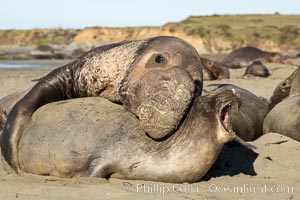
(244,56)
(248,124)
(142,75)
(282,90)
(94,137)
(284,118)
(214,70)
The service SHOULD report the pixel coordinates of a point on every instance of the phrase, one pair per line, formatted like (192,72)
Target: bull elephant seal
(94,137)
(142,75)
(214,70)
(248,124)
(284,118)
(257,68)
(244,56)
(282,90)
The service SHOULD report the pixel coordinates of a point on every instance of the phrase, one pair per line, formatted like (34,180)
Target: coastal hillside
(216,34)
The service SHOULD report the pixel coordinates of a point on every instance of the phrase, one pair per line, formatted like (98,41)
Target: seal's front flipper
(244,143)
(103,170)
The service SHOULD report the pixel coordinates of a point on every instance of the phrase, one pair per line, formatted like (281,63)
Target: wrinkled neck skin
(185,156)
(104,75)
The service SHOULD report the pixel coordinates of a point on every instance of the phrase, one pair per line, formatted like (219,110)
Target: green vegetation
(281,31)
(244,29)
(42,41)
(130,32)
(37,36)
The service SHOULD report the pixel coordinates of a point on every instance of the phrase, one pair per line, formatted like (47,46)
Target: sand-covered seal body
(213,70)
(94,137)
(284,118)
(248,124)
(257,68)
(244,56)
(118,72)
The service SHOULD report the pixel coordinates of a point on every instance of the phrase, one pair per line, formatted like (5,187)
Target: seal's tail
(3,118)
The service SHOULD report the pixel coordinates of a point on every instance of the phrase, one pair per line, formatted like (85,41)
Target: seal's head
(162,84)
(282,90)
(214,70)
(221,105)
(276,57)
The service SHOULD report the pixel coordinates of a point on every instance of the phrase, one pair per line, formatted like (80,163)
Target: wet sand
(275,163)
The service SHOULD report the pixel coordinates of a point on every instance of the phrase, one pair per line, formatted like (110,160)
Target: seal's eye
(156,60)
(159,59)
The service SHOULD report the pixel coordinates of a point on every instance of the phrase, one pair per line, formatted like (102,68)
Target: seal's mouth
(226,114)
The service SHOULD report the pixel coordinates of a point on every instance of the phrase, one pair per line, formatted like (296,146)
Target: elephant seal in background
(244,56)
(248,124)
(142,75)
(257,68)
(284,118)
(214,70)
(94,137)
(282,90)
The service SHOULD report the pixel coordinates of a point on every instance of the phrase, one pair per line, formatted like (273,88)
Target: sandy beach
(275,162)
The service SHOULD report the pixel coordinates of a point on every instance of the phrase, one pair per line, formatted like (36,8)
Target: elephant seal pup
(284,118)
(248,124)
(244,56)
(282,90)
(142,75)
(257,68)
(214,70)
(94,137)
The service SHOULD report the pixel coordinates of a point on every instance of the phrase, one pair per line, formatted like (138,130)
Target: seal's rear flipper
(3,118)
(103,170)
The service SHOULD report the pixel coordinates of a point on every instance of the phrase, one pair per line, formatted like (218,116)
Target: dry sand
(275,163)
